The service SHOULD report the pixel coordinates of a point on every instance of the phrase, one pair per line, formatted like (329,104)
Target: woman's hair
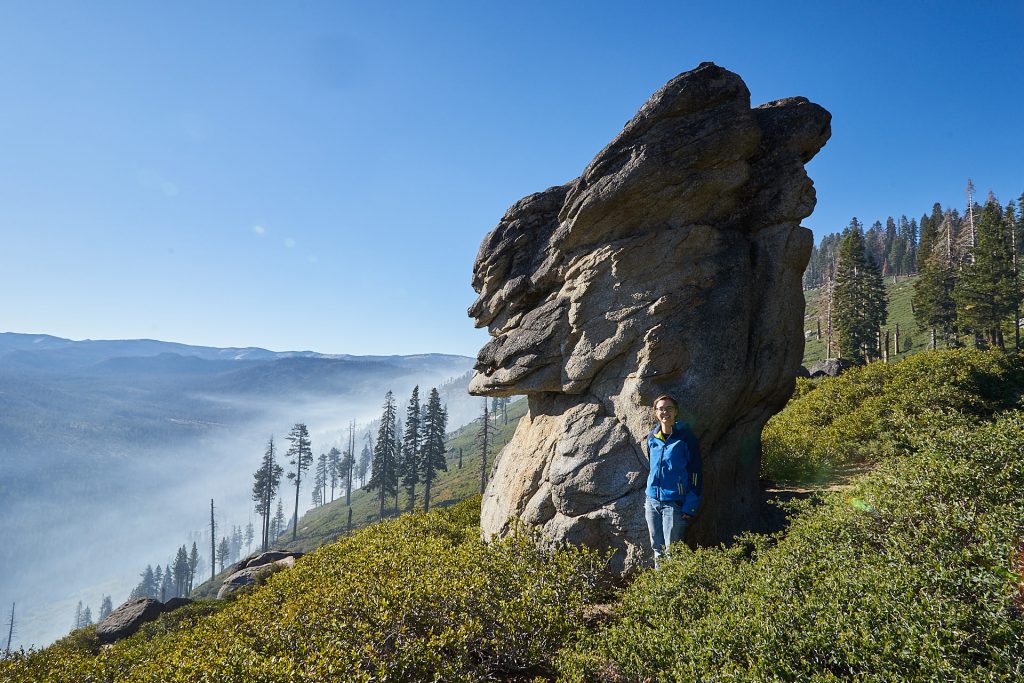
(665,397)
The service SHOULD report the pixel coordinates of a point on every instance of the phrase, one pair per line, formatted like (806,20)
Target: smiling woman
(674,480)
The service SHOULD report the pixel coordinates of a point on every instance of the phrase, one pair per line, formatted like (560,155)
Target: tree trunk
(213,544)
(298,480)
(10,630)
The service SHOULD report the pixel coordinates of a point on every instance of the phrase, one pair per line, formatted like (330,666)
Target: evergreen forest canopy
(968,282)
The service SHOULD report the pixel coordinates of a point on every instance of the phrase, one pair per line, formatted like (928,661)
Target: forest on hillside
(967,288)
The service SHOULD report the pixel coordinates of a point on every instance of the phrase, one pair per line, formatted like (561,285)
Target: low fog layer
(111,465)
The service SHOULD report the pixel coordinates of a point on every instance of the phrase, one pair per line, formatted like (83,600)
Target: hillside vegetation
(900,294)
(329,522)
(914,573)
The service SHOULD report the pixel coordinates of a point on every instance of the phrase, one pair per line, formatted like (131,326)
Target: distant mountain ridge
(99,349)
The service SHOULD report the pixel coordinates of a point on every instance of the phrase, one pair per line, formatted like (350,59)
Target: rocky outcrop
(127,618)
(252,570)
(830,367)
(671,265)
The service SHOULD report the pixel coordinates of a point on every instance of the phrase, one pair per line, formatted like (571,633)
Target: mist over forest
(113,450)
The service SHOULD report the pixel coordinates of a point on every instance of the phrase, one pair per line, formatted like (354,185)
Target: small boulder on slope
(126,619)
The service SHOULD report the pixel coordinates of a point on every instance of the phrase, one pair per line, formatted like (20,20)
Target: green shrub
(907,576)
(866,410)
(414,599)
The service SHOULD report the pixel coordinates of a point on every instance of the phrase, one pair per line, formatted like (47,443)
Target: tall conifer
(859,298)
(301,457)
(384,476)
(984,291)
(435,427)
(411,448)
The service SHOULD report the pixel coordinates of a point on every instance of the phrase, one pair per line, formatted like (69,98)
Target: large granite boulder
(671,265)
(127,618)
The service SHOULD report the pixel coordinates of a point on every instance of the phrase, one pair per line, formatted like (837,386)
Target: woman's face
(665,412)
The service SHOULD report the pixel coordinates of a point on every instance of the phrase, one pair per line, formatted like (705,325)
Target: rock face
(671,265)
(126,619)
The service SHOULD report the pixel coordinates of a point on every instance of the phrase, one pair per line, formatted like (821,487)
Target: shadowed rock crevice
(671,265)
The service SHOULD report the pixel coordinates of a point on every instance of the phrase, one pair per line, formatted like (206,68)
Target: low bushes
(419,598)
(868,410)
(908,576)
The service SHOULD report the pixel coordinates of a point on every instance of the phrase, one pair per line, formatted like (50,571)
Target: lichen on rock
(671,265)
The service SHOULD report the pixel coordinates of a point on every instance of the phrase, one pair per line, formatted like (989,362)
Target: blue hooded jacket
(675,474)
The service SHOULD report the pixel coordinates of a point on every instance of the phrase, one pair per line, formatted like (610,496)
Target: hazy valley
(113,450)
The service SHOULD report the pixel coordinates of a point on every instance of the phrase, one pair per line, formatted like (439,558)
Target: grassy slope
(912,340)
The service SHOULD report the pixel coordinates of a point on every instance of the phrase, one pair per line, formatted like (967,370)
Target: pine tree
(147,587)
(984,291)
(320,480)
(875,243)
(193,565)
(301,457)
(411,448)
(398,456)
(347,466)
(932,300)
(181,572)
(223,551)
(335,474)
(161,585)
(250,536)
(384,477)
(86,617)
(277,523)
(106,607)
(236,543)
(77,623)
(484,441)
(365,460)
(435,428)
(859,298)
(1012,227)
(267,481)
(167,585)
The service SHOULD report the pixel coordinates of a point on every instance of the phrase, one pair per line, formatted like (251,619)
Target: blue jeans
(666,524)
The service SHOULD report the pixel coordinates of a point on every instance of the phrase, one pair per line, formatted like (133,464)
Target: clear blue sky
(319,175)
